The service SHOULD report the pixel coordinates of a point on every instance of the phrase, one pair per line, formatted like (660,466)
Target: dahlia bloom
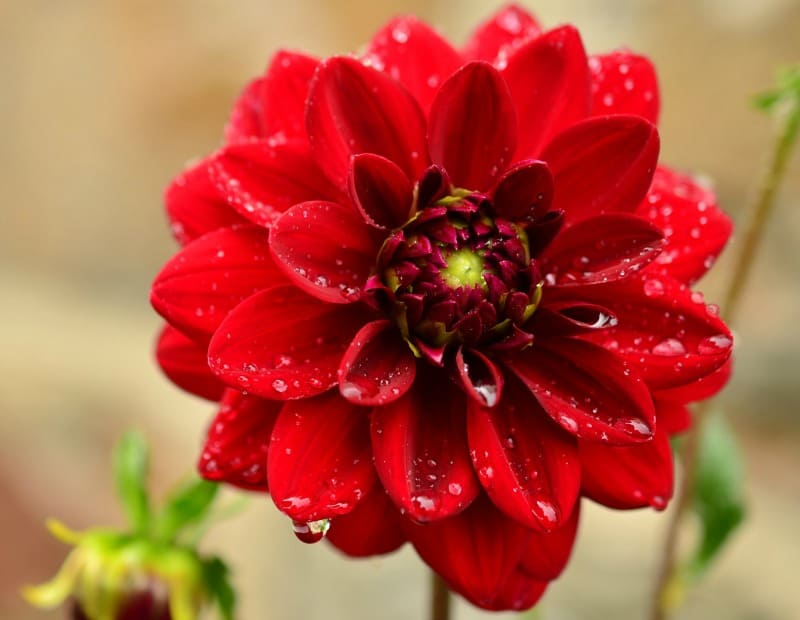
(443,294)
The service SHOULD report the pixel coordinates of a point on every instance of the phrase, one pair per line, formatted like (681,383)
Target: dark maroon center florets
(456,273)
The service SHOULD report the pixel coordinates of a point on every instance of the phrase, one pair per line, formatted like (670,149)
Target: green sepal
(131,464)
(188,504)
(718,494)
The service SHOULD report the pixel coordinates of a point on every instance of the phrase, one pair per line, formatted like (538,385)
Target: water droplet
(425,503)
(653,288)
(546,511)
(280,386)
(510,22)
(714,344)
(454,489)
(488,393)
(310,532)
(400,33)
(669,347)
(569,423)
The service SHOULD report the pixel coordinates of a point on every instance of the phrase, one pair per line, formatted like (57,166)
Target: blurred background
(102,101)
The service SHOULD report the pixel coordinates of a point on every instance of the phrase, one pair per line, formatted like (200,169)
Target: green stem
(669,587)
(440,599)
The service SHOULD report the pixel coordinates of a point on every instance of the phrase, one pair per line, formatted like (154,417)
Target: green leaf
(189,503)
(718,492)
(217,577)
(131,463)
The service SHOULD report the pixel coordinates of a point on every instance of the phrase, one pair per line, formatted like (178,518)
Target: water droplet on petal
(669,347)
(488,393)
(280,386)
(653,288)
(546,511)
(454,488)
(714,344)
(400,33)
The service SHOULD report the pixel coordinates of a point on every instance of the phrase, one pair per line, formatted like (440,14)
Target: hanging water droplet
(310,532)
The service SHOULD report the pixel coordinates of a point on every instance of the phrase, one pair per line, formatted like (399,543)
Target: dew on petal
(653,288)
(714,345)
(669,347)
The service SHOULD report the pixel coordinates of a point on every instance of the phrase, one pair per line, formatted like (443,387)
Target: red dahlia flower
(443,294)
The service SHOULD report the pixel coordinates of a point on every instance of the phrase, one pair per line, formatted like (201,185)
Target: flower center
(455,273)
(464,268)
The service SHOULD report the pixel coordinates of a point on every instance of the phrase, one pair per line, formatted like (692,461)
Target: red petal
(420,448)
(202,283)
(475,552)
(546,554)
(592,393)
(549,82)
(415,55)
(245,122)
(282,344)
(378,367)
(194,205)
(528,466)
(570,318)
(602,165)
(602,248)
(628,476)
(373,528)
(673,416)
(238,441)
(663,328)
(518,593)
(506,30)
(525,191)
(380,190)
(355,109)
(472,128)
(696,229)
(284,94)
(703,388)
(260,180)
(325,249)
(319,458)
(624,83)
(185,363)
(481,378)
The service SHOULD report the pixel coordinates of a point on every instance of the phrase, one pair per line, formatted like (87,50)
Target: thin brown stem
(668,585)
(440,599)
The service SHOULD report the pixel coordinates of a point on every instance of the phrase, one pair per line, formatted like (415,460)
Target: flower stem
(669,589)
(440,599)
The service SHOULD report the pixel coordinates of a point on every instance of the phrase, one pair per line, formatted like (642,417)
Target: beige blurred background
(101,101)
